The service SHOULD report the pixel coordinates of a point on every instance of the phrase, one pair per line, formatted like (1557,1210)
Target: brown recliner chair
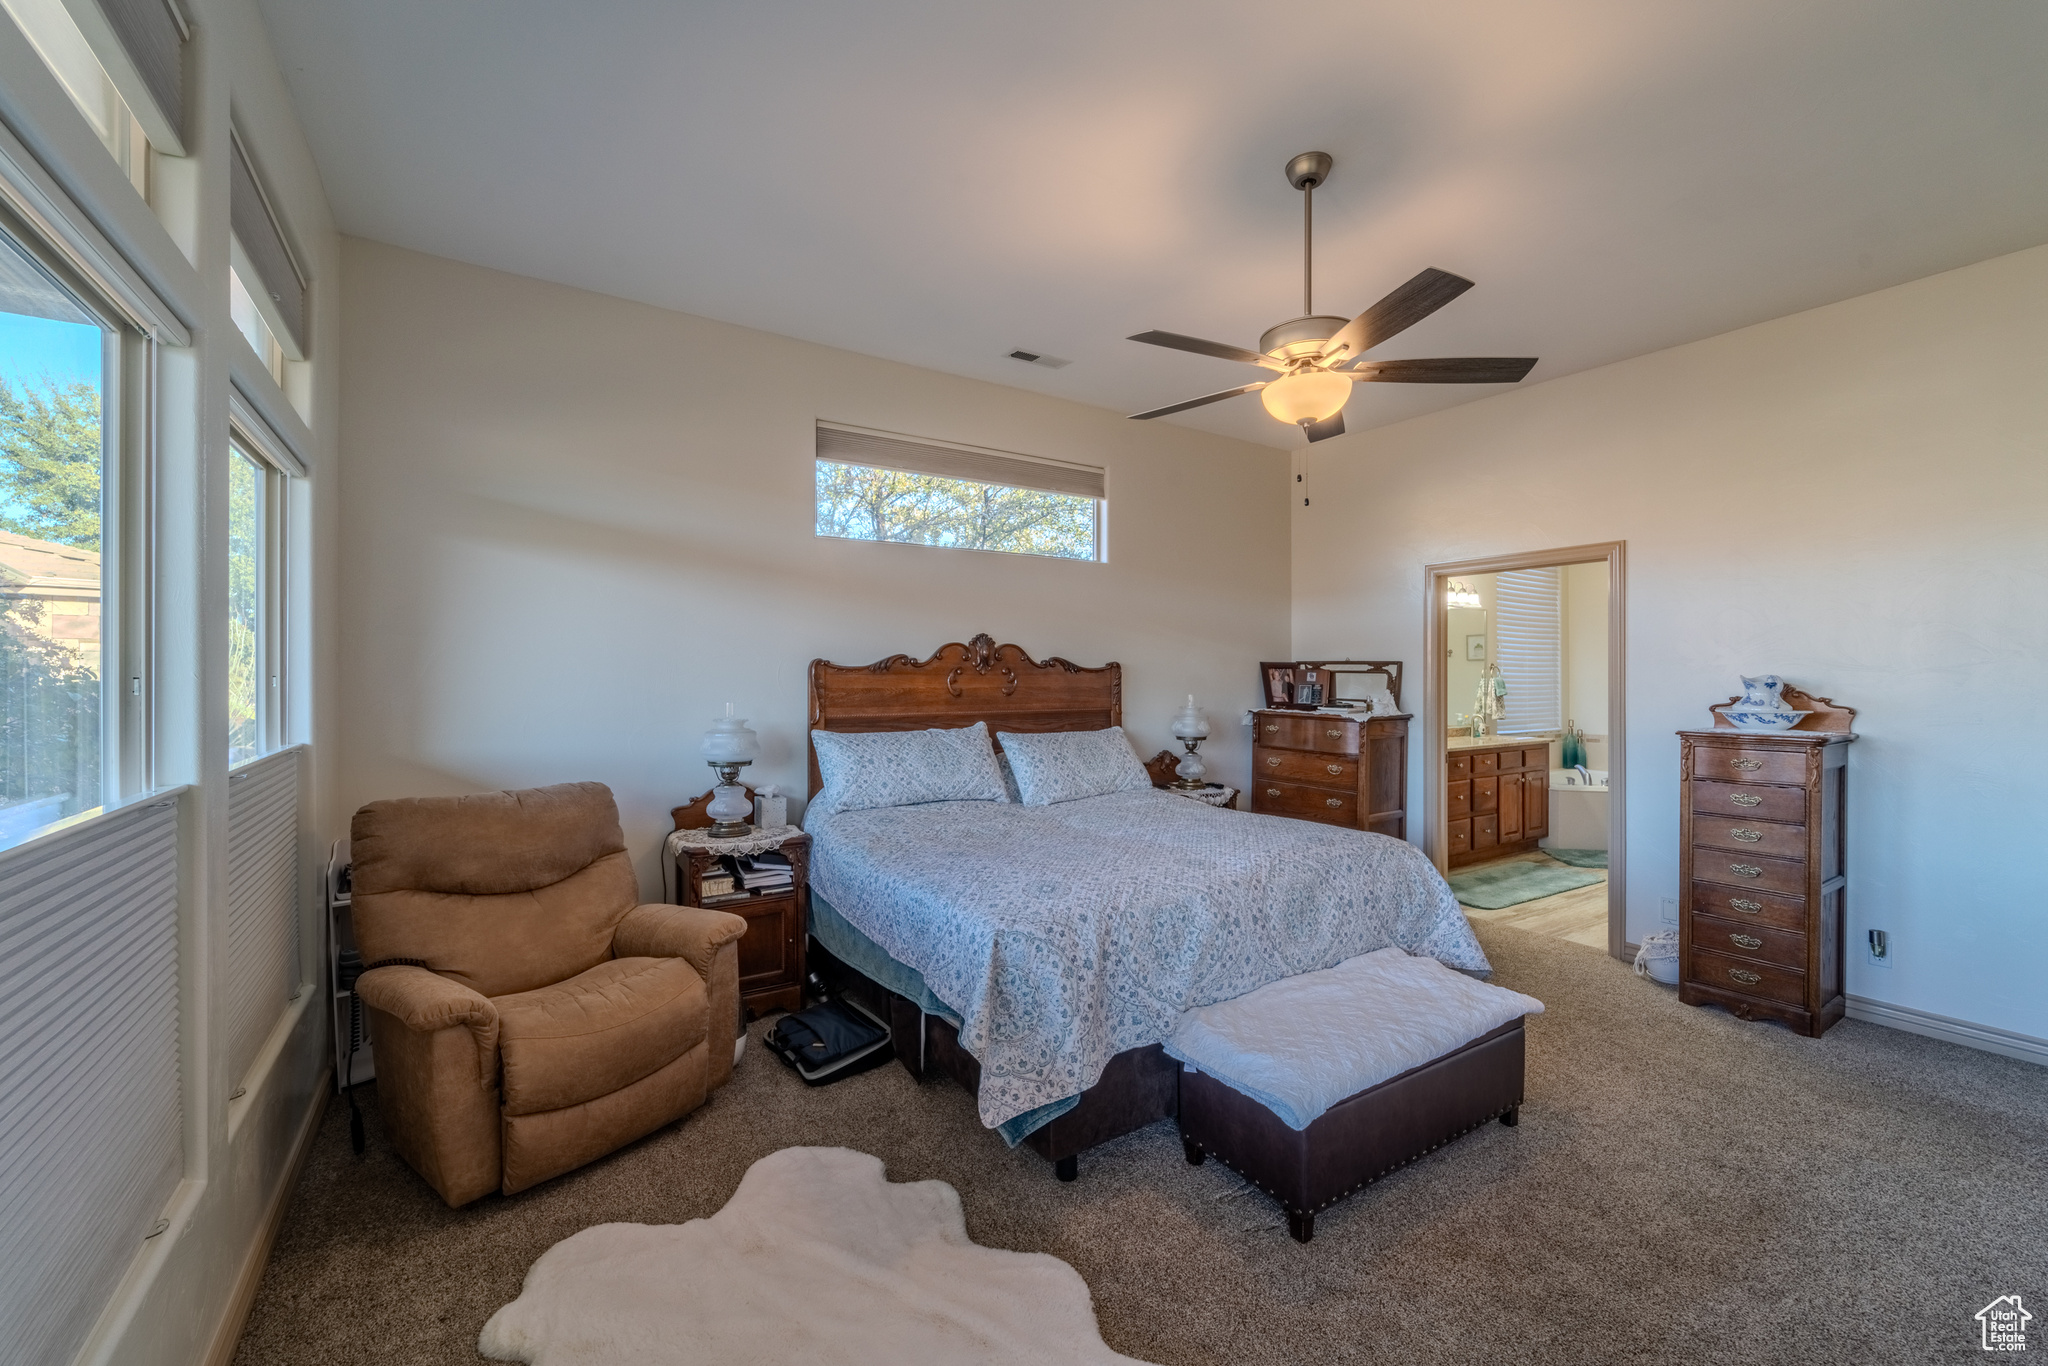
(550,1018)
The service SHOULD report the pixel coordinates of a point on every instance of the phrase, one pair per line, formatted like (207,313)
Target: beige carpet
(1684,1187)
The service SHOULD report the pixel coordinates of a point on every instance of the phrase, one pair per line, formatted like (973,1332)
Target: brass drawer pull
(1333,801)
(1746,907)
(1747,765)
(1334,768)
(1744,976)
(1747,836)
(1748,941)
(1272,725)
(1272,763)
(1272,792)
(1744,799)
(1334,734)
(1745,870)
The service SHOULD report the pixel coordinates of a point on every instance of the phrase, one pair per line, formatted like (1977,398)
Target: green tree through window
(863,503)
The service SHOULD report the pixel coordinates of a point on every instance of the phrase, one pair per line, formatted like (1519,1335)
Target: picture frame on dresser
(1763,868)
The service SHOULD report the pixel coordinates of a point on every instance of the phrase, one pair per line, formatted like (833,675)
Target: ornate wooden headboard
(959,685)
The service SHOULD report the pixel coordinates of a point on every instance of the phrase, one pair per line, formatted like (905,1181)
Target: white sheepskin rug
(817,1258)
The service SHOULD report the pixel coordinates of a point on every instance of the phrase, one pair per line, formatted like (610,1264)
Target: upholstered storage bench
(1242,1116)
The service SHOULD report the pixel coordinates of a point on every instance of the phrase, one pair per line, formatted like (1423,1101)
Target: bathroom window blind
(263,901)
(256,228)
(883,450)
(1528,611)
(90,1118)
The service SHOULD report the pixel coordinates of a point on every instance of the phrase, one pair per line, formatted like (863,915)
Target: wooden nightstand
(778,922)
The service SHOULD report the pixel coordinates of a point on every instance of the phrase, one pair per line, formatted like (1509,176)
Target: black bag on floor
(829,1042)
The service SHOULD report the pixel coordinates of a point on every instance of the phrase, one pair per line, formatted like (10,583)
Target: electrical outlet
(1671,910)
(1880,946)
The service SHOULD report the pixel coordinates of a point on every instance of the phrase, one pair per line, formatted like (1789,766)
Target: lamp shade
(1189,723)
(1306,396)
(730,740)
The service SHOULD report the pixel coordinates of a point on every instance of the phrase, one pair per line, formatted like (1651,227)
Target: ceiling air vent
(1039,358)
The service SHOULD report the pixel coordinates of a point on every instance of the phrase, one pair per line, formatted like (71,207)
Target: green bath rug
(1510,884)
(1580,858)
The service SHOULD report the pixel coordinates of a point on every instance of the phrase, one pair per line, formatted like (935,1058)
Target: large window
(55,359)
(872,486)
(255,604)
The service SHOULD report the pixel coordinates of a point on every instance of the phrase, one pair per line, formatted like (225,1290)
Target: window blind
(263,901)
(853,446)
(1528,611)
(152,36)
(90,1142)
(256,228)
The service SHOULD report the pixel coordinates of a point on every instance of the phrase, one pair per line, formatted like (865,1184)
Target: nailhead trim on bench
(1208,1151)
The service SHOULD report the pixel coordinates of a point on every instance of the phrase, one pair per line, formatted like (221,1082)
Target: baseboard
(1987,1038)
(228,1335)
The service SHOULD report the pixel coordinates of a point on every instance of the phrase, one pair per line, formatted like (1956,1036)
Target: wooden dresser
(1497,798)
(1341,770)
(1761,859)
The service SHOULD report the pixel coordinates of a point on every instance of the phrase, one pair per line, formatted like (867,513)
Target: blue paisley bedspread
(1063,935)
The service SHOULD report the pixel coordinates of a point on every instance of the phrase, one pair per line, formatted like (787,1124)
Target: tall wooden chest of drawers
(1341,770)
(1496,798)
(1761,844)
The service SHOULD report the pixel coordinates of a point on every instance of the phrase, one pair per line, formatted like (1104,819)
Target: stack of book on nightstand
(767,872)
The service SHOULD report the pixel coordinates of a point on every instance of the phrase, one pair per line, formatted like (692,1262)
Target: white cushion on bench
(1301,1044)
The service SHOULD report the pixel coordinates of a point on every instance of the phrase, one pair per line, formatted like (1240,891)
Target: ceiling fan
(1319,357)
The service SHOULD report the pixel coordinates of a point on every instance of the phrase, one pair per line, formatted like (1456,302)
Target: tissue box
(770,811)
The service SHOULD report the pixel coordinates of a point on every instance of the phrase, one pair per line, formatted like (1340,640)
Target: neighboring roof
(27,564)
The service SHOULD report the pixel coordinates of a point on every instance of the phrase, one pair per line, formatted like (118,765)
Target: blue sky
(33,347)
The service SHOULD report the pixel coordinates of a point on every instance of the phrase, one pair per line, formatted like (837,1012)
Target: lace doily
(756,841)
(1213,796)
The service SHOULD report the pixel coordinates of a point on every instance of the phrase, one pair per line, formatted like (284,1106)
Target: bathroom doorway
(1523,692)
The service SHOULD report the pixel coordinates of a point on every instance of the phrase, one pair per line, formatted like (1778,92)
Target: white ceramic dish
(1764,722)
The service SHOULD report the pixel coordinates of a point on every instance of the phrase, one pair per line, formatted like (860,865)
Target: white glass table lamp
(728,747)
(1190,727)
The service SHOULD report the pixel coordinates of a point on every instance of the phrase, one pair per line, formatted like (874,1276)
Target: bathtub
(1578,809)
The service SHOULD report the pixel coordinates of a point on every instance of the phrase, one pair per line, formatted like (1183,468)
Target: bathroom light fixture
(1460,594)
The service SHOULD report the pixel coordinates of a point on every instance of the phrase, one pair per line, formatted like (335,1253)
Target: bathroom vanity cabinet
(1498,797)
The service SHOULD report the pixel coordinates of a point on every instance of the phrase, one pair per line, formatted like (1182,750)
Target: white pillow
(1065,766)
(867,769)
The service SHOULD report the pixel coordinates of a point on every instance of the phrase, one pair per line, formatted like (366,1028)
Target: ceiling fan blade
(1333,425)
(1198,402)
(1220,350)
(1402,309)
(1448,370)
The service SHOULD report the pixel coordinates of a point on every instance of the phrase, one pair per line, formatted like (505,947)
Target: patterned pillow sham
(1065,766)
(867,769)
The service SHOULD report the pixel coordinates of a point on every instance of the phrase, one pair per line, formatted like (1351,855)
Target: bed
(1038,955)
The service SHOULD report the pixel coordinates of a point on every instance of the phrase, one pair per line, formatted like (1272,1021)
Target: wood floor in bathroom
(1578,916)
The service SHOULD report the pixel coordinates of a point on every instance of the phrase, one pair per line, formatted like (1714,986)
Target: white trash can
(1657,959)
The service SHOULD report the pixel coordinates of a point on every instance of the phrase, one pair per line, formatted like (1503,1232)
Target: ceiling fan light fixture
(1306,396)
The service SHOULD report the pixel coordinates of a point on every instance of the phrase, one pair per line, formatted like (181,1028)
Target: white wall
(574,526)
(1848,497)
(1585,655)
